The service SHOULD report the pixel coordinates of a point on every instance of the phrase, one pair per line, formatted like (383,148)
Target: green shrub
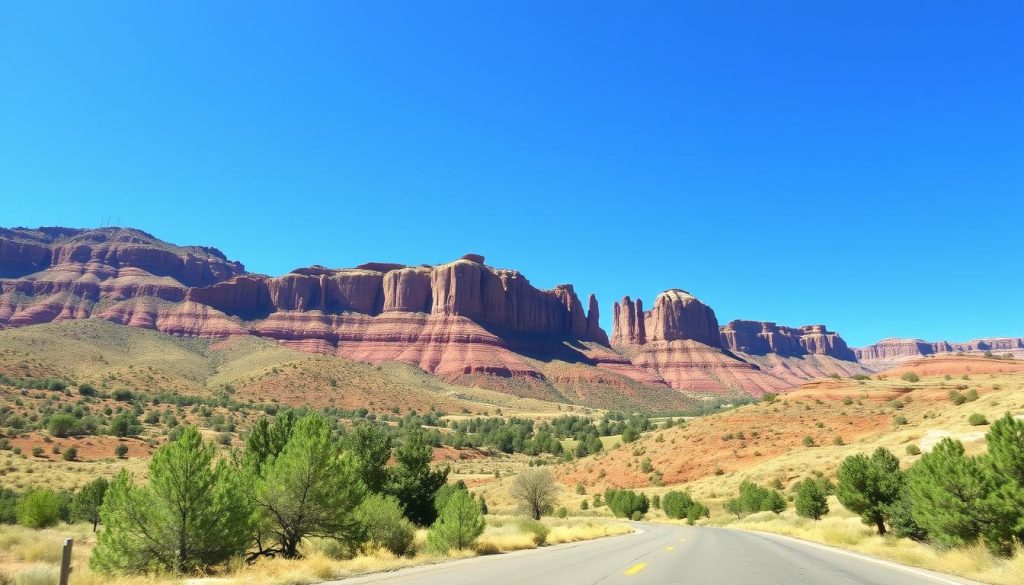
(39,509)
(562,512)
(8,506)
(535,528)
(121,450)
(754,498)
(70,454)
(811,501)
(679,505)
(386,525)
(626,503)
(458,525)
(123,395)
(62,425)
(977,419)
(910,377)
(37,451)
(913,449)
(808,441)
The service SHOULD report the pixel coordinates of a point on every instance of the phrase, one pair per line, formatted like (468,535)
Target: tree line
(297,477)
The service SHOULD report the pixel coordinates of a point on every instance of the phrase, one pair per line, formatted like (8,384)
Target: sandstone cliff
(678,341)
(892,351)
(462,319)
(761,338)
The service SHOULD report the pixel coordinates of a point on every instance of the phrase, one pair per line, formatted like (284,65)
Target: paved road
(663,555)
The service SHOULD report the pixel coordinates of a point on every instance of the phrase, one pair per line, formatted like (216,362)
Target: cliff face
(678,341)
(454,320)
(677,315)
(762,338)
(892,351)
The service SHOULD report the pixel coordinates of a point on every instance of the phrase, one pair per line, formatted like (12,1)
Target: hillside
(765,441)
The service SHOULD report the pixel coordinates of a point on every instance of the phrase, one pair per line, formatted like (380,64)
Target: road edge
(379,576)
(942,577)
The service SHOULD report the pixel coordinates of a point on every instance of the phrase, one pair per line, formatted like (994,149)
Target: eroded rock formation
(762,338)
(892,351)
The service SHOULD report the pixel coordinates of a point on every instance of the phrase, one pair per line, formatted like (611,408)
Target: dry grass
(31,556)
(843,530)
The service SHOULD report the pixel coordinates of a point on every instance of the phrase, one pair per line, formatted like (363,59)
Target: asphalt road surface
(662,555)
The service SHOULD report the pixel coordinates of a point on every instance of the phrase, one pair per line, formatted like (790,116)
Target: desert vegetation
(302,486)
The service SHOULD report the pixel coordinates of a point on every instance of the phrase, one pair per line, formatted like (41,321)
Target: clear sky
(859,164)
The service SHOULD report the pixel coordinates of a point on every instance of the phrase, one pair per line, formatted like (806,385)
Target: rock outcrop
(892,351)
(458,319)
(762,338)
(678,341)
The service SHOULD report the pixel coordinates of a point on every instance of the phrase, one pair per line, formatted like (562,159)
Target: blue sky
(859,164)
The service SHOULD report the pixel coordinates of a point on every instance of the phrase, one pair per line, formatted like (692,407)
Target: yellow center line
(670,548)
(636,568)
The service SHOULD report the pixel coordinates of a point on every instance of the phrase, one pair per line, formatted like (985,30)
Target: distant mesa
(463,320)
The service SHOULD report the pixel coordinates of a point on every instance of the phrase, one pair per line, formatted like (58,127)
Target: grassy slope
(112,356)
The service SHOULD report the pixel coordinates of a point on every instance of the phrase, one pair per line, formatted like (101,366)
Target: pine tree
(945,487)
(268,438)
(309,489)
(371,446)
(458,525)
(868,485)
(88,500)
(189,516)
(810,500)
(1004,478)
(413,482)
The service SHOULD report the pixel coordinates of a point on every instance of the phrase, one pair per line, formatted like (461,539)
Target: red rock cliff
(760,338)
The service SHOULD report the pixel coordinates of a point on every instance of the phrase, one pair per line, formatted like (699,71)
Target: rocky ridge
(463,320)
(892,351)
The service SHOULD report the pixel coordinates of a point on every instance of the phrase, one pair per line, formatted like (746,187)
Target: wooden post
(65,562)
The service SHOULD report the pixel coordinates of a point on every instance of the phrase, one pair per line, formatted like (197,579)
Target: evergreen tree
(87,502)
(900,516)
(371,446)
(945,487)
(309,489)
(413,482)
(446,491)
(458,525)
(189,516)
(810,500)
(268,438)
(1004,479)
(869,485)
